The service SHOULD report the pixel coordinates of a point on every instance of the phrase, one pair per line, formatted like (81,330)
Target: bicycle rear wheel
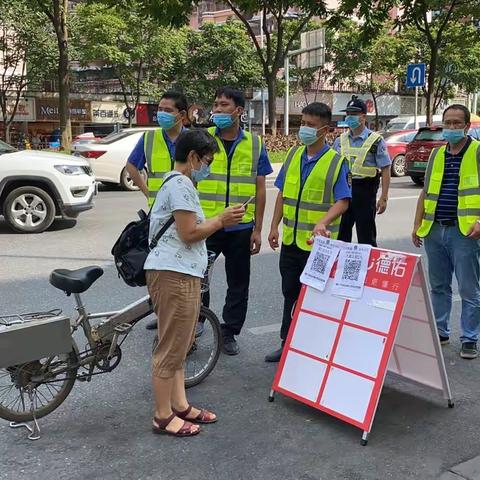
(203,356)
(50,380)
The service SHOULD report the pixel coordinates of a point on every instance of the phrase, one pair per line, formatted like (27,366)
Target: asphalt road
(102,431)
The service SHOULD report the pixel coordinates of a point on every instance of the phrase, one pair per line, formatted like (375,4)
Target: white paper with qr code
(351,271)
(320,263)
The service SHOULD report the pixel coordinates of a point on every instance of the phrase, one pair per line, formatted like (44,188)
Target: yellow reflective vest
(468,210)
(158,161)
(231,181)
(304,206)
(358,155)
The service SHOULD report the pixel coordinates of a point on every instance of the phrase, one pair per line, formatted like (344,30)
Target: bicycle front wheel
(203,356)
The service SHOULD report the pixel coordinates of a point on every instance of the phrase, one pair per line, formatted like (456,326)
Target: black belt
(452,222)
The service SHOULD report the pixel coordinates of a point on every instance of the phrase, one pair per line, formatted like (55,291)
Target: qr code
(351,269)
(319,263)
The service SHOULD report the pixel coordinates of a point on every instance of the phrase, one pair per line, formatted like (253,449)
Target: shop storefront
(107,117)
(20,127)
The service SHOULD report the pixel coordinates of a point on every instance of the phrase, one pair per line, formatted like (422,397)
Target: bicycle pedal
(123,328)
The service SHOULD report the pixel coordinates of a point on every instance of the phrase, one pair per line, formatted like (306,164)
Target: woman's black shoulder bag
(131,249)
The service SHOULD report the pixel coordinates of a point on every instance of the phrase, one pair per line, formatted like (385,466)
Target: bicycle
(45,383)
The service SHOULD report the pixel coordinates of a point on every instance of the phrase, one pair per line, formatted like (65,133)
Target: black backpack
(131,248)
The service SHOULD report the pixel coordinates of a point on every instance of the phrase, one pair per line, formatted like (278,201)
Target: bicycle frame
(115,323)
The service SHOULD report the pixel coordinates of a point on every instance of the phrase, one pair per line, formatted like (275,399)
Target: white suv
(37,186)
(108,156)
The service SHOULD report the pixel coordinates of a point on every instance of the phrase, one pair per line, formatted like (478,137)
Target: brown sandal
(185,431)
(203,417)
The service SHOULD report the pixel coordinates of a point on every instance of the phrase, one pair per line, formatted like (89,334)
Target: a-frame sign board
(338,351)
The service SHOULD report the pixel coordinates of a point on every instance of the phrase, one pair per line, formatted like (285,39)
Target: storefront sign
(146,114)
(109,112)
(25,109)
(47,110)
(300,100)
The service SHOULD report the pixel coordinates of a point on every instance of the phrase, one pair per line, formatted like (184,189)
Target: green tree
(143,55)
(432,19)
(27,56)
(373,67)
(279,39)
(219,54)
(56,11)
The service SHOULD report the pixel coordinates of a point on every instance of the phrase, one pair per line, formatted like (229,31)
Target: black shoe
(444,340)
(152,325)
(469,350)
(230,346)
(274,357)
(199,329)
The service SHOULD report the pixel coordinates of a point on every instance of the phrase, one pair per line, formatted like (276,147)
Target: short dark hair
(179,99)
(232,94)
(200,141)
(320,110)
(458,106)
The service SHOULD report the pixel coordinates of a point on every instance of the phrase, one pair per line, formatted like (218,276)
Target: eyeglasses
(454,124)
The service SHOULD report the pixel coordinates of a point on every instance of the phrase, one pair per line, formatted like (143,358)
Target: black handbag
(131,249)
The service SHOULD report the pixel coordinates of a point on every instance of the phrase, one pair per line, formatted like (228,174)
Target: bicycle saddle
(75,281)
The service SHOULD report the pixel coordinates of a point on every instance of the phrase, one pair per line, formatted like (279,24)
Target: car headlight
(70,169)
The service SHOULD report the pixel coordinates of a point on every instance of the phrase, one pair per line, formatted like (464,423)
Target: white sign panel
(108,112)
(25,109)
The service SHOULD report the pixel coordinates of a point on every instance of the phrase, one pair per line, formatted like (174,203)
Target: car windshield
(6,148)
(392,126)
(116,136)
(429,136)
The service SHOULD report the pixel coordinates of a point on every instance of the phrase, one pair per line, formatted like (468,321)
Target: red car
(397,146)
(418,151)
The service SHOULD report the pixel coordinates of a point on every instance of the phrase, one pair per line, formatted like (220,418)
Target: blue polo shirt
(448,198)
(379,160)
(137,157)
(264,167)
(341,189)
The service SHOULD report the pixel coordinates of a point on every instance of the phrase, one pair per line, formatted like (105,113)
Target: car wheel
(29,210)
(126,181)
(417,180)
(399,166)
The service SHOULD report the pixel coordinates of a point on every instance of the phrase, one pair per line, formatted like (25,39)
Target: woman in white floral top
(174,270)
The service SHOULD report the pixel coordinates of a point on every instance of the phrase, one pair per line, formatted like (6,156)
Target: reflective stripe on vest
(359,154)
(240,182)
(158,161)
(468,210)
(304,206)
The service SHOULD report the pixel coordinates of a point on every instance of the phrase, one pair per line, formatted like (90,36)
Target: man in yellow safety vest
(237,176)
(447,220)
(314,192)
(154,154)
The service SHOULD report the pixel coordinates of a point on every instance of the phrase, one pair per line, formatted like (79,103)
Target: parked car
(418,151)
(397,146)
(407,122)
(109,155)
(36,186)
(84,138)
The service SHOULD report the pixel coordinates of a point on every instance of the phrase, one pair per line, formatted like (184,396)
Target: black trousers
(361,212)
(235,247)
(292,263)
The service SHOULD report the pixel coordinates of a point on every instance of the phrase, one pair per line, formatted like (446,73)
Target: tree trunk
(429,93)
(63,73)
(7,132)
(272,102)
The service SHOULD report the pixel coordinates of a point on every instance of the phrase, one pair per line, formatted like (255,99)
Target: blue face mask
(166,120)
(352,121)
(223,120)
(453,136)
(307,135)
(202,174)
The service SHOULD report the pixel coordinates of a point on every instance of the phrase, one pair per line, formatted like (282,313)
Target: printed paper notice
(320,263)
(351,271)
